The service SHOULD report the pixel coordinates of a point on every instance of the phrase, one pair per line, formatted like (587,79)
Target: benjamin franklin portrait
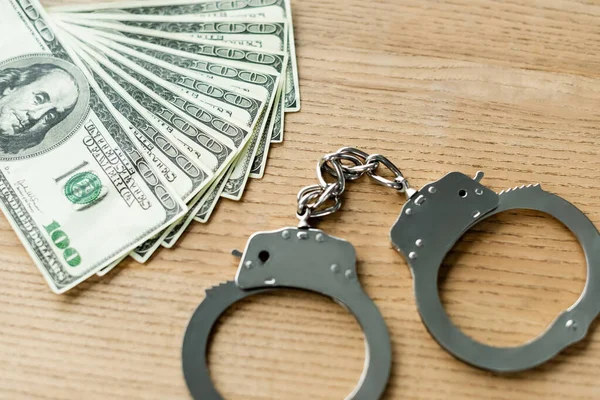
(33,100)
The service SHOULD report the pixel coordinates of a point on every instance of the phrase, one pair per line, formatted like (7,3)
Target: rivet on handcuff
(430,223)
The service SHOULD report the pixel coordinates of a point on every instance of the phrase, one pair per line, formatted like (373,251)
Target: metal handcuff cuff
(435,217)
(300,258)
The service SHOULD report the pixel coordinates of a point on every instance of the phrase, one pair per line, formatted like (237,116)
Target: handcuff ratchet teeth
(435,218)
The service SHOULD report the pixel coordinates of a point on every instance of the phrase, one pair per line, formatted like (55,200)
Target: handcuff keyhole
(462,193)
(263,256)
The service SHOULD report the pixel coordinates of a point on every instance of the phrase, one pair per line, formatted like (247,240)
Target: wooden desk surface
(509,87)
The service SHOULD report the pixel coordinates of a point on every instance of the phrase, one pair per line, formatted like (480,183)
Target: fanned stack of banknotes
(121,123)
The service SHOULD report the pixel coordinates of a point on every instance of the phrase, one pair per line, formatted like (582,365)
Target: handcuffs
(433,219)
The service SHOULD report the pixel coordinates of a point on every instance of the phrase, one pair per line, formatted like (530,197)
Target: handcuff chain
(345,165)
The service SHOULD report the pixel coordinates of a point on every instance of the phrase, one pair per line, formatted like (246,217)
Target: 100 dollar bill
(78,191)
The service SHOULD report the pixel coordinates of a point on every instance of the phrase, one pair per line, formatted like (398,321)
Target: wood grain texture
(509,87)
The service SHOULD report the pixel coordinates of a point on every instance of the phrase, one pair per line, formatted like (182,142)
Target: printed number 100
(61,240)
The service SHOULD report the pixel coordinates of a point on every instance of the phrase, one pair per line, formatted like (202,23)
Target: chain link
(346,164)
